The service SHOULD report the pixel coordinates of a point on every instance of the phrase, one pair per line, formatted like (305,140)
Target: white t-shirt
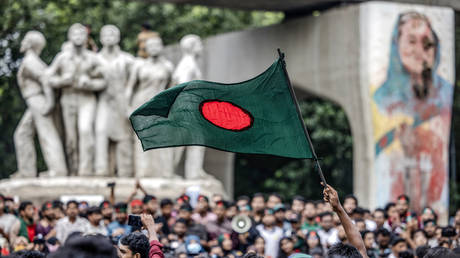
(328,238)
(272,238)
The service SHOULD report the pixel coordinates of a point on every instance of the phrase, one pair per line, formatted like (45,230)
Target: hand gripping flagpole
(320,172)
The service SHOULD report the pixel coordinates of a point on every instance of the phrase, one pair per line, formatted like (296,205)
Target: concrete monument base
(39,190)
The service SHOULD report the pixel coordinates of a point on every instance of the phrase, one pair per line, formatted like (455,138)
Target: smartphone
(135,222)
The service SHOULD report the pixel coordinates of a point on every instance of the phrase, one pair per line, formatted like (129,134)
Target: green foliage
(331,136)
(53,18)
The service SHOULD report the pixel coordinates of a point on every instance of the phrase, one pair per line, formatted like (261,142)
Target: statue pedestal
(39,190)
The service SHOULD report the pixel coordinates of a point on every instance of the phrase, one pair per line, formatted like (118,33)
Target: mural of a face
(78,34)
(153,46)
(416,45)
(110,35)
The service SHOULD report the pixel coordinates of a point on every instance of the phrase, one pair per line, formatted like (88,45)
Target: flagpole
(320,172)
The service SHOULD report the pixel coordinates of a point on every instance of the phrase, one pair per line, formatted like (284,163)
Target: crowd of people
(175,228)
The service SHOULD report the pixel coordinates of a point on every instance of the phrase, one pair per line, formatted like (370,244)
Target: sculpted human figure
(149,77)
(188,69)
(37,118)
(112,125)
(77,73)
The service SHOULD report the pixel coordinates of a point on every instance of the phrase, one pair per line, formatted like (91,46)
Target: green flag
(256,116)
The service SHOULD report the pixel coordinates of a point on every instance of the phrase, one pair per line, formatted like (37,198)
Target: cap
(105,204)
(136,202)
(299,255)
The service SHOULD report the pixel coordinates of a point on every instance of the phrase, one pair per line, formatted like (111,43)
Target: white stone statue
(149,77)
(188,69)
(112,125)
(37,118)
(77,72)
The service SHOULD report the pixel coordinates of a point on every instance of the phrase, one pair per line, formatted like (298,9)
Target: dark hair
(92,210)
(365,232)
(383,232)
(27,254)
(57,204)
(323,214)
(137,243)
(359,210)
(428,221)
(343,250)
(86,246)
(422,250)
(419,230)
(181,220)
(298,198)
(281,253)
(148,197)
(243,198)
(381,210)
(398,240)
(406,254)
(146,26)
(359,220)
(24,205)
(70,202)
(403,197)
(350,196)
(310,202)
(256,195)
(388,206)
(166,202)
(276,195)
(432,211)
(186,207)
(438,252)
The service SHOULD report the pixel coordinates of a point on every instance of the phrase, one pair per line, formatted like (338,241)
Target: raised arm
(155,246)
(353,235)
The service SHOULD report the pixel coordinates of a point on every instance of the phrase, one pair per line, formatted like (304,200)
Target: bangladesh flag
(256,116)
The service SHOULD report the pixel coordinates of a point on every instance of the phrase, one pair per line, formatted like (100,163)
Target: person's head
(417,42)
(134,245)
(279,210)
(420,237)
(343,250)
(180,227)
(202,204)
(47,211)
(259,245)
(154,46)
(368,239)
(86,246)
(379,217)
(309,211)
(109,35)
(391,211)
(220,210)
(258,202)
(185,212)
(438,252)
(121,214)
(321,206)
(383,237)
(82,208)
(232,210)
(242,200)
(137,206)
(33,40)
(191,44)
(106,209)
(358,213)
(268,218)
(77,34)
(286,245)
(150,204)
(350,202)
(94,215)
(428,214)
(225,241)
(402,204)
(216,251)
(398,245)
(326,221)
(58,209)
(360,224)
(298,204)
(71,209)
(421,251)
(166,206)
(273,200)
(192,245)
(26,210)
(430,228)
(146,26)
(312,239)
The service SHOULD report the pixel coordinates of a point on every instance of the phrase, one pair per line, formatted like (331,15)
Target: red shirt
(155,250)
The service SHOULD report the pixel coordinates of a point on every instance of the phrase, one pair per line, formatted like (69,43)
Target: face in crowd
(258,203)
(72,210)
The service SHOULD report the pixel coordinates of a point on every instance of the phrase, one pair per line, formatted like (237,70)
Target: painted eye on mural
(427,43)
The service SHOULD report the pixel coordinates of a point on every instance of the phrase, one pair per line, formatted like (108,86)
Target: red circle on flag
(226,115)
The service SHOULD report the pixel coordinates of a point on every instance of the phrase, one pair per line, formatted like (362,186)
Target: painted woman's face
(416,46)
